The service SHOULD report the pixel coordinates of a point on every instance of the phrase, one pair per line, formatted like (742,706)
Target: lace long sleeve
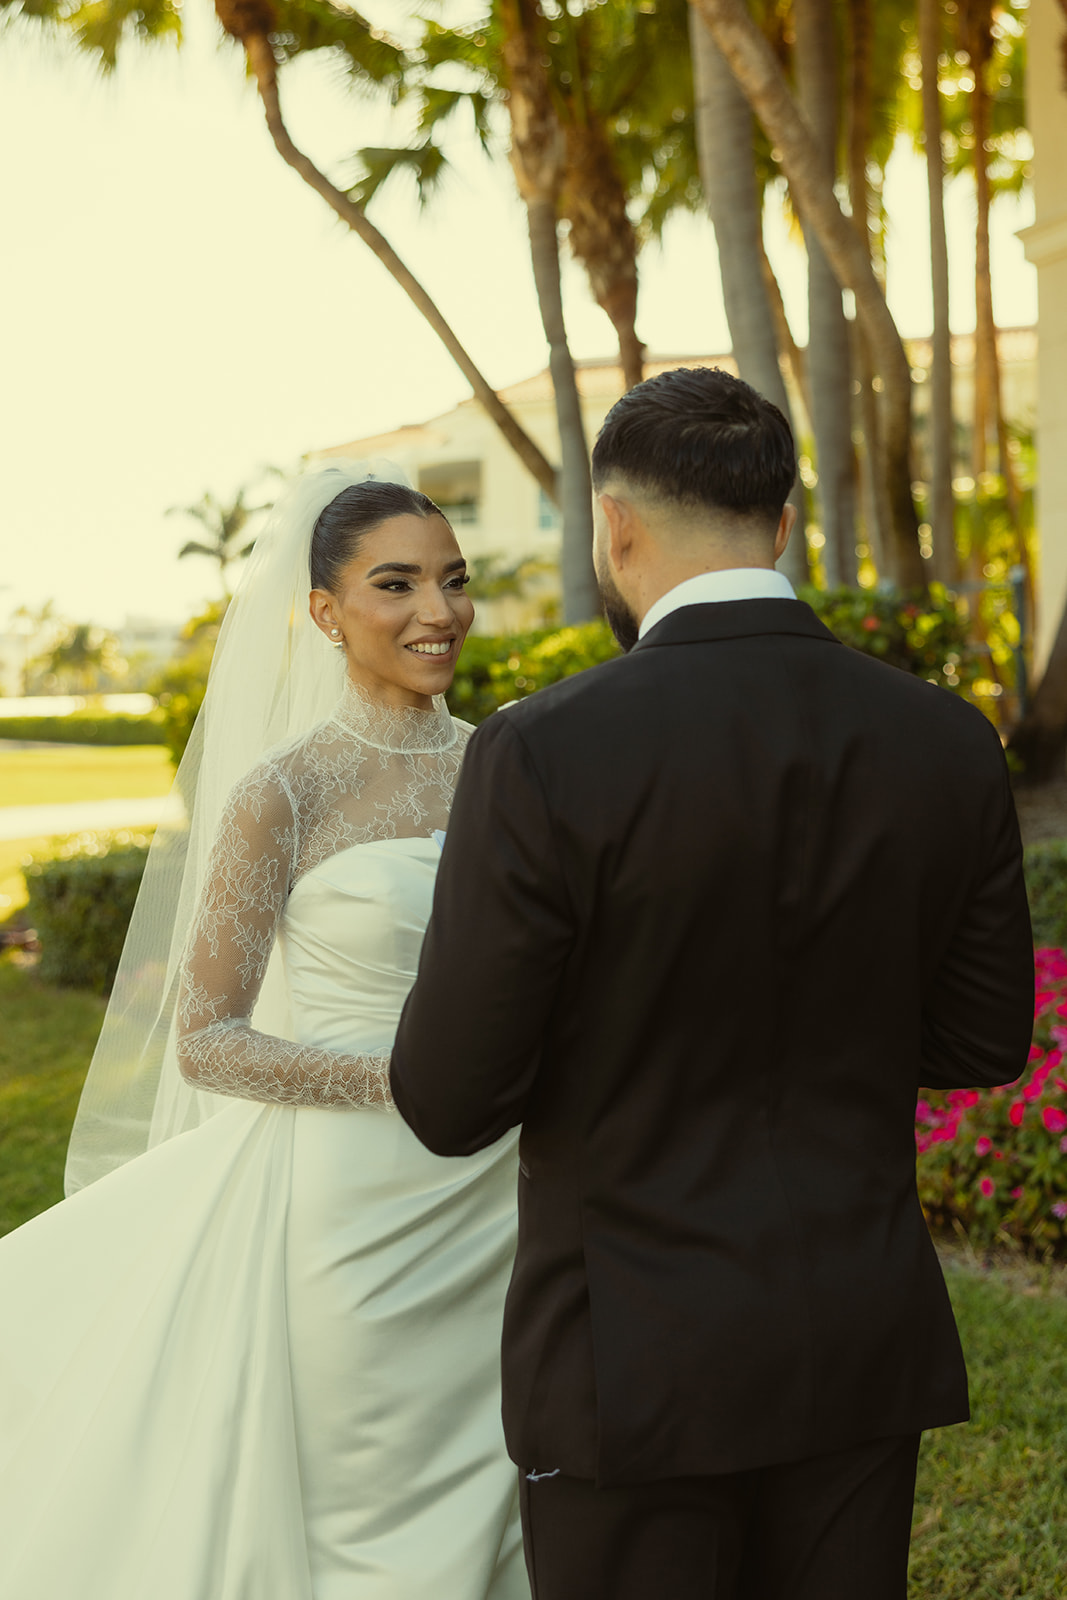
(226,960)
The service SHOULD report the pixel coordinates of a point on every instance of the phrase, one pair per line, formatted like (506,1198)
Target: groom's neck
(659,579)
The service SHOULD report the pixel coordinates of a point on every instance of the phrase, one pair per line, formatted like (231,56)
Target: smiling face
(401,609)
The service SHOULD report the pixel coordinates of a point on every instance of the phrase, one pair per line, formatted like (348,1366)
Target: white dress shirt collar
(737,583)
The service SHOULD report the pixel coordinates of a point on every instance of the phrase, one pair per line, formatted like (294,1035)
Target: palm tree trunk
(829,355)
(602,237)
(795,357)
(538,155)
(942,500)
(250,27)
(990,425)
(1039,741)
(756,70)
(724,143)
(877,511)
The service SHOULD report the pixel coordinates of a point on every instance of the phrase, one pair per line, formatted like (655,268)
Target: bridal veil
(274,676)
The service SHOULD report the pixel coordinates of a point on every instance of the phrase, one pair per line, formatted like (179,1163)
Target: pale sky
(179,308)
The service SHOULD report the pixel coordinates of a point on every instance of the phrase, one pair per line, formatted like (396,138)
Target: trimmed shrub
(1046,887)
(492,672)
(84,727)
(80,903)
(994,1163)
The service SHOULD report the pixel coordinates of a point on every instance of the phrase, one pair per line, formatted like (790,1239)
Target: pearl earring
(335,637)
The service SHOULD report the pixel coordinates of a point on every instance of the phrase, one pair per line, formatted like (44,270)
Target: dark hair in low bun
(357,511)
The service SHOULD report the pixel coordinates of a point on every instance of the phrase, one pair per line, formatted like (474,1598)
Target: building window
(548,513)
(456,486)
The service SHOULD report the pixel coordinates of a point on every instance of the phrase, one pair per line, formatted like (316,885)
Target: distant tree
(84,660)
(226,526)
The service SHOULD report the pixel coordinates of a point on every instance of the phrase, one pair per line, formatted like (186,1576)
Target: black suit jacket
(706,919)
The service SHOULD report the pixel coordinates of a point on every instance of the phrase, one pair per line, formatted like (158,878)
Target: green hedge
(492,672)
(1046,885)
(86,728)
(80,904)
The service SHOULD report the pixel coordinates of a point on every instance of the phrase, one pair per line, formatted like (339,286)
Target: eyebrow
(413,571)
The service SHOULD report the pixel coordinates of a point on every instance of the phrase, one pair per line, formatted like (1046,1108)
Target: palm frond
(371,58)
(425,162)
(100,27)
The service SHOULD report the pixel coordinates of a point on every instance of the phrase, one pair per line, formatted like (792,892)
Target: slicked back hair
(354,513)
(702,439)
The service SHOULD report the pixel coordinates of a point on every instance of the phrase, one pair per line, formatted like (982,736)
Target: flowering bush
(995,1162)
(924,634)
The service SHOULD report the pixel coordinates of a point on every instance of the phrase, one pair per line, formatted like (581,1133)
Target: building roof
(600,379)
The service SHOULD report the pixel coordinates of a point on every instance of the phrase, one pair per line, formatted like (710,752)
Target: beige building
(498,511)
(1046,247)
(461,460)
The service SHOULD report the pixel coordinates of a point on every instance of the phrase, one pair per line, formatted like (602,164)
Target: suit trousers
(831,1527)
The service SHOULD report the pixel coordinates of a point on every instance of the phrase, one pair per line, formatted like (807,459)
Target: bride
(254,1355)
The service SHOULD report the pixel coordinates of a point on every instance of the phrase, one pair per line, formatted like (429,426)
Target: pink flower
(1016,1112)
(987,1186)
(1060,1209)
(983,1146)
(922,1110)
(1054,1119)
(1016,1194)
(1032,1091)
(1035,1053)
(998,1155)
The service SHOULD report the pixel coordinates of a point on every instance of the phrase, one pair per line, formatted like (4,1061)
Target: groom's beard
(620,618)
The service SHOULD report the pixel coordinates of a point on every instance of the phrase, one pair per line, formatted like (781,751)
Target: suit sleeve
(978,1017)
(469,1042)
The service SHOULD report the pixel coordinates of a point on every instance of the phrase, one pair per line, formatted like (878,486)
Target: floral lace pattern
(370,772)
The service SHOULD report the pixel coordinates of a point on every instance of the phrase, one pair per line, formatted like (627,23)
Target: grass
(989,1521)
(52,776)
(46,1042)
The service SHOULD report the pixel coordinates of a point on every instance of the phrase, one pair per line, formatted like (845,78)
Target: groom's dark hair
(701,438)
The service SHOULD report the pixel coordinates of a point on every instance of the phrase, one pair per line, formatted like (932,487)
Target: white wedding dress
(260,1362)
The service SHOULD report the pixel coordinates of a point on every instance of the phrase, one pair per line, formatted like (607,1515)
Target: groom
(707,917)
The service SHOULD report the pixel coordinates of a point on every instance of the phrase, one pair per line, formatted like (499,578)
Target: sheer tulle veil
(274,676)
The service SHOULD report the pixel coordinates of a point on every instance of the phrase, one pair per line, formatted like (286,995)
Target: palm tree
(763,82)
(538,154)
(84,656)
(273,32)
(725,140)
(225,526)
(829,360)
(942,500)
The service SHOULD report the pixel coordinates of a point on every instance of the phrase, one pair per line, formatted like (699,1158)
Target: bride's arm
(226,960)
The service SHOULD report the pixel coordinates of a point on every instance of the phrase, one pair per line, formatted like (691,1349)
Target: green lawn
(46,1041)
(54,775)
(989,1522)
(989,1519)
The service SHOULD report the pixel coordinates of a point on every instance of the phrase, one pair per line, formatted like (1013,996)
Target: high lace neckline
(403,729)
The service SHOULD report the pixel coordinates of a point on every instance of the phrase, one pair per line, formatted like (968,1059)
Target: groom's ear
(786,524)
(620,518)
